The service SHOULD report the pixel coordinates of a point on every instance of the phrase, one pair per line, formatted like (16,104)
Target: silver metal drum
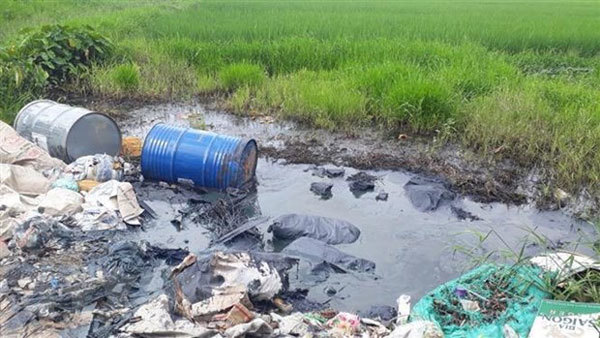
(68,132)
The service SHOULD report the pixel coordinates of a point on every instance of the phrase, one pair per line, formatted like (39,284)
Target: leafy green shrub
(49,56)
(126,77)
(241,74)
(62,51)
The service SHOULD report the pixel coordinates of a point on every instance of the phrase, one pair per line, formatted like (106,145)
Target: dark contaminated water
(414,251)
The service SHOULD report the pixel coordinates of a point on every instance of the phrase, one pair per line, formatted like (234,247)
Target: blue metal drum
(173,154)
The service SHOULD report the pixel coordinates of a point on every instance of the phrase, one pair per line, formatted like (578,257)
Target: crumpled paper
(155,320)
(117,196)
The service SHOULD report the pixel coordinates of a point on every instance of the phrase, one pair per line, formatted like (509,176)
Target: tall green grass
(522,76)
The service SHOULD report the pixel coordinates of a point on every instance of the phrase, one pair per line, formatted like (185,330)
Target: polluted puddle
(415,242)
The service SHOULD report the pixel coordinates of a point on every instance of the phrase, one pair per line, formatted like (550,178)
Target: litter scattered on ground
(60,202)
(417,329)
(382,313)
(23,180)
(99,168)
(131,146)
(66,183)
(154,319)
(116,196)
(565,264)
(72,261)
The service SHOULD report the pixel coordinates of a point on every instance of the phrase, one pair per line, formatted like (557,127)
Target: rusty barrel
(68,132)
(173,154)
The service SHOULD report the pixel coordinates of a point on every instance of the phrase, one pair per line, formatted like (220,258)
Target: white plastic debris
(23,180)
(15,149)
(15,206)
(374,328)
(469,305)
(261,281)
(60,201)
(94,218)
(241,277)
(223,298)
(417,329)
(565,264)
(403,309)
(509,332)
(187,261)
(128,204)
(117,196)
(155,320)
(290,325)
(14,202)
(256,328)
(99,167)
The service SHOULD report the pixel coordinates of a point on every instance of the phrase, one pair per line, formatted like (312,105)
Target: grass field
(520,76)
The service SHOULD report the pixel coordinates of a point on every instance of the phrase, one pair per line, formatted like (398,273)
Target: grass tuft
(126,77)
(241,74)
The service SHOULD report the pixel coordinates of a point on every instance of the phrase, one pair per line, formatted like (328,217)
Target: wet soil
(365,149)
(414,251)
(487,178)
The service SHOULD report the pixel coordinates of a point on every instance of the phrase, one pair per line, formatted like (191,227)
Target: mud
(413,251)
(368,148)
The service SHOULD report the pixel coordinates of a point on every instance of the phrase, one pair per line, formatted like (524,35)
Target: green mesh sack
(505,294)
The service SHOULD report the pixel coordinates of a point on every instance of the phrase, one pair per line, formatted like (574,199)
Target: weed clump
(45,58)
(241,74)
(326,100)
(126,77)
(207,83)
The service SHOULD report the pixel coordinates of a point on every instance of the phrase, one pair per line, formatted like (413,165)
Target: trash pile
(71,266)
(60,251)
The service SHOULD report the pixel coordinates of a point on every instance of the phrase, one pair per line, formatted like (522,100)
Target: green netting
(506,295)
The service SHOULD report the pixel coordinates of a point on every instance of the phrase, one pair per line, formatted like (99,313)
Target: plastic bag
(328,230)
(317,252)
(60,201)
(15,149)
(23,180)
(99,167)
(426,194)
